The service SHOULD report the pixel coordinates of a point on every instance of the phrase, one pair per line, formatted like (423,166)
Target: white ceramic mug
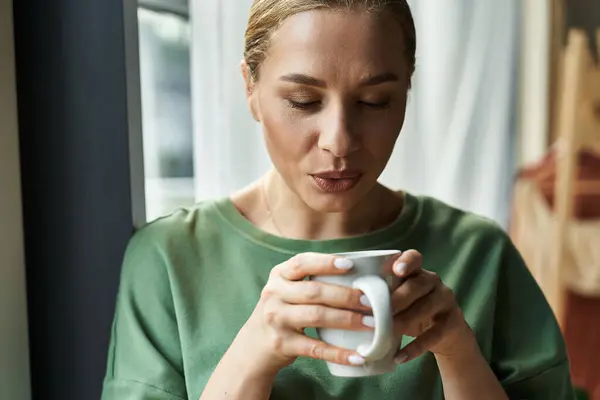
(373,275)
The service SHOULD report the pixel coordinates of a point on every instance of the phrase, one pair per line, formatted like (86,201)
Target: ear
(250,91)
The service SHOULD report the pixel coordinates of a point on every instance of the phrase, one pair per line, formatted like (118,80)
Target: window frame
(172,8)
(177,7)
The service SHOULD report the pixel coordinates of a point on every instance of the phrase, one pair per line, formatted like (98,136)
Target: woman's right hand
(289,303)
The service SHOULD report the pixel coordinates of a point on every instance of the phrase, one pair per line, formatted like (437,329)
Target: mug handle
(378,293)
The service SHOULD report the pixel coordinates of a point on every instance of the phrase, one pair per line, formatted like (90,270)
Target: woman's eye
(304,105)
(376,106)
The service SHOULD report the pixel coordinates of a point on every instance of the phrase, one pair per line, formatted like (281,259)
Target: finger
(388,265)
(311,292)
(304,346)
(420,316)
(413,289)
(422,343)
(306,264)
(409,263)
(299,317)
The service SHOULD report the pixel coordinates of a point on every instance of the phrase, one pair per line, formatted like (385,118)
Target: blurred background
(115,113)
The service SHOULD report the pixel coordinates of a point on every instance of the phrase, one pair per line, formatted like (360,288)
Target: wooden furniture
(578,125)
(556,212)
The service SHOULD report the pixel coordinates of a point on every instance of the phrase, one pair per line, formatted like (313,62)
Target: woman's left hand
(426,309)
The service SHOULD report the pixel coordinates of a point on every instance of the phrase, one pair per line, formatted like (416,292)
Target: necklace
(272,218)
(266,201)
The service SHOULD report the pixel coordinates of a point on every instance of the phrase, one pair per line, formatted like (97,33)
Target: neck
(289,216)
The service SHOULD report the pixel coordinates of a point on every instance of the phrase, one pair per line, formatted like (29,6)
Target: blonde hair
(266,16)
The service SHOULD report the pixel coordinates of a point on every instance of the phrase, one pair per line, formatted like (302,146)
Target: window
(164,34)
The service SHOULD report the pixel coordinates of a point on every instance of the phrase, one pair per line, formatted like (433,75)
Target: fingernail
(343,263)
(364,300)
(400,268)
(356,360)
(369,321)
(400,358)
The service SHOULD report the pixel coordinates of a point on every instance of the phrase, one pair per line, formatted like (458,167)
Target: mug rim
(368,254)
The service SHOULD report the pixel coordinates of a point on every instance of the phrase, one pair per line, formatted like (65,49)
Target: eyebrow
(307,80)
(379,79)
(302,79)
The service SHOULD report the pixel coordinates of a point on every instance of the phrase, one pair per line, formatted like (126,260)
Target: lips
(341,174)
(336,181)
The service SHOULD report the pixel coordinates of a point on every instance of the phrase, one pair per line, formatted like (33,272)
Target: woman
(213,303)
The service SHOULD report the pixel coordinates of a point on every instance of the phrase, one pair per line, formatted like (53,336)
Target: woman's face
(331,99)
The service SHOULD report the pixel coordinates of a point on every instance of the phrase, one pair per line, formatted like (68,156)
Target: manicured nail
(369,321)
(400,268)
(364,300)
(400,358)
(343,263)
(356,360)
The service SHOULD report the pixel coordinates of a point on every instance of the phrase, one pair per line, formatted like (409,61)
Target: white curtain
(228,142)
(457,142)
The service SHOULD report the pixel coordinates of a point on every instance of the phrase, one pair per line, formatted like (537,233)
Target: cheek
(289,140)
(381,135)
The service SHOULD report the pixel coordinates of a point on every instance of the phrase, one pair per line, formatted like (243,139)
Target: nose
(336,134)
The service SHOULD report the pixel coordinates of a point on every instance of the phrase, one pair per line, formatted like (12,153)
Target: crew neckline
(383,238)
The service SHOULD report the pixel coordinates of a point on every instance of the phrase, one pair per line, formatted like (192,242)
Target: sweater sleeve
(529,354)
(145,358)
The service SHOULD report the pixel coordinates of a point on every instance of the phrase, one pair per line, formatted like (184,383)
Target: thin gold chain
(266,200)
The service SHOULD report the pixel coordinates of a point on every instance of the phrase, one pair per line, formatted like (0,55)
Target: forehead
(325,42)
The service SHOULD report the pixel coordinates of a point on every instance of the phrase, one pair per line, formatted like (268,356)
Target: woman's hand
(426,309)
(288,304)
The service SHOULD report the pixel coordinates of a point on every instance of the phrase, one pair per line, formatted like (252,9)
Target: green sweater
(190,280)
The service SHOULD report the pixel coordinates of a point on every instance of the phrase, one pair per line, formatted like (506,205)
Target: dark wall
(584,14)
(71,80)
